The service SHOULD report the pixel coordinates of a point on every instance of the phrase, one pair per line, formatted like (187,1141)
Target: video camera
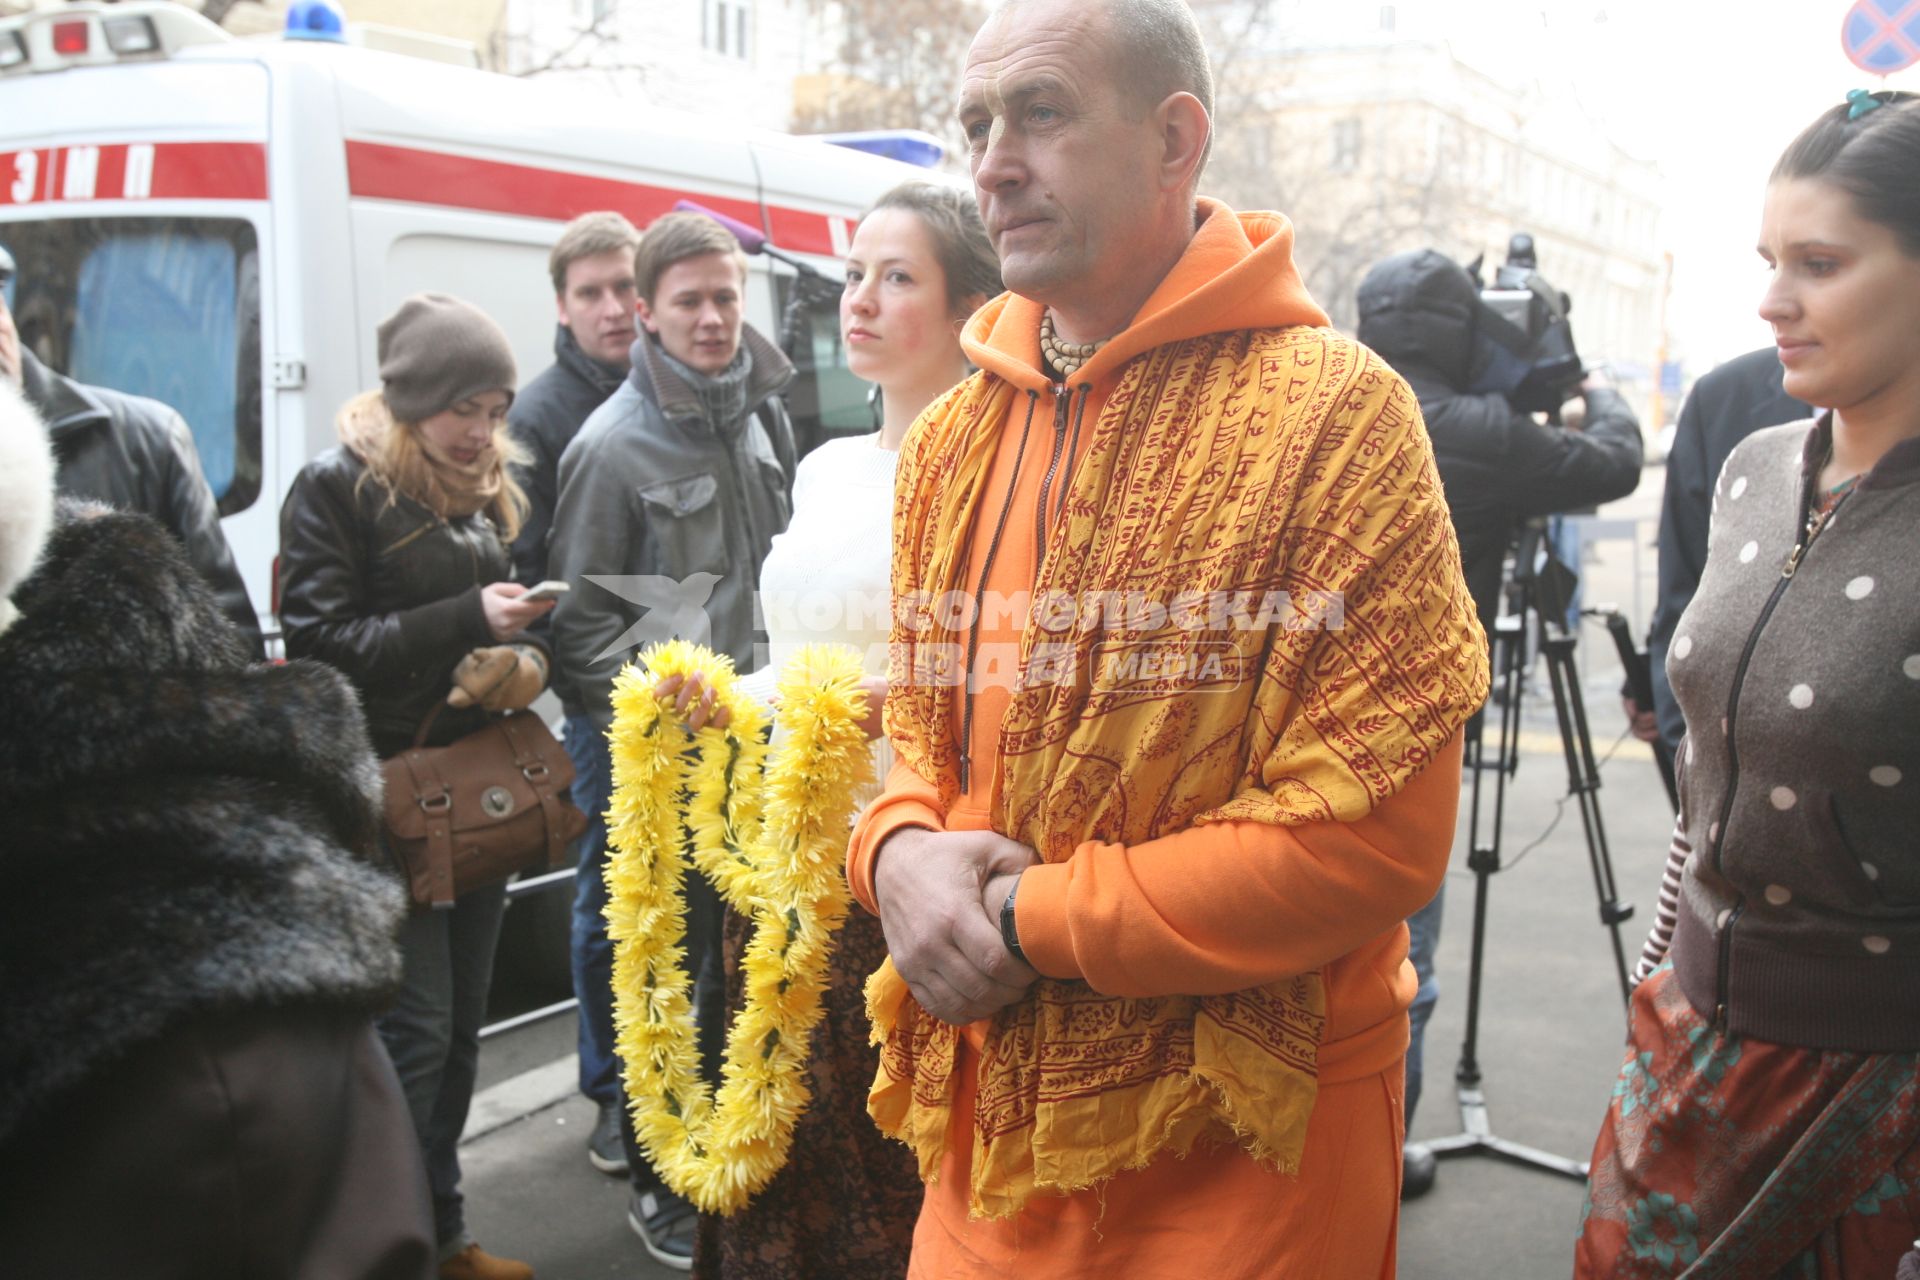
(1523,342)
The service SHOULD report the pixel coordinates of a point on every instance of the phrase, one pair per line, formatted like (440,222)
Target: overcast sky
(1712,91)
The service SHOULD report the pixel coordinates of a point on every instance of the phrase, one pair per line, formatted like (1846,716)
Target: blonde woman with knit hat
(394,568)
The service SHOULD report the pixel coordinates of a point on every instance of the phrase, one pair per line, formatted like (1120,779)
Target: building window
(1346,144)
(1388,18)
(724,26)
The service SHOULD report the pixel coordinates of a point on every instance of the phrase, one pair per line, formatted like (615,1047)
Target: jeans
(1423,930)
(593,951)
(1563,534)
(432,1033)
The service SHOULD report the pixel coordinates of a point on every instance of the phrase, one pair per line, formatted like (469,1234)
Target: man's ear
(560,306)
(645,312)
(1184,129)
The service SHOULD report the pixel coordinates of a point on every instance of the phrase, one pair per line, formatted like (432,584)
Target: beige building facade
(1374,141)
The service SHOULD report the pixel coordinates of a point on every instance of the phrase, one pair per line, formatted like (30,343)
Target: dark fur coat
(180,827)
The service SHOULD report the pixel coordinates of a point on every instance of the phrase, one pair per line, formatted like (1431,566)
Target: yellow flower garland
(771,835)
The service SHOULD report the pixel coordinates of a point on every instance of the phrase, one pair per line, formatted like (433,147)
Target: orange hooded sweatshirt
(1209,909)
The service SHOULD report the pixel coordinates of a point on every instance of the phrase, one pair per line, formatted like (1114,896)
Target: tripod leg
(1583,782)
(1483,850)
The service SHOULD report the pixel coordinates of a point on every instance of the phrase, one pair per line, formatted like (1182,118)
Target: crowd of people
(1127,990)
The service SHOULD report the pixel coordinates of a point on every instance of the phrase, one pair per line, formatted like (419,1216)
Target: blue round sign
(1882,36)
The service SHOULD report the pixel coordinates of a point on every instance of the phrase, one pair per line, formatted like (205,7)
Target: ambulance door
(133,199)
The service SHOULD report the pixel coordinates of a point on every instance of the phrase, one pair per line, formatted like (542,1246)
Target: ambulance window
(160,307)
(826,399)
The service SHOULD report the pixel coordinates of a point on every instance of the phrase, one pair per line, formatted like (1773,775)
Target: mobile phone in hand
(551,589)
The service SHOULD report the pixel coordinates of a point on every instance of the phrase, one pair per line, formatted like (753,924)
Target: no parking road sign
(1882,36)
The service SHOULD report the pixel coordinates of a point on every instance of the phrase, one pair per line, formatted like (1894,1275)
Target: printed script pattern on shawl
(1287,461)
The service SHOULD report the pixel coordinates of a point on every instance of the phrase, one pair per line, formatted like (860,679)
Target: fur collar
(182,826)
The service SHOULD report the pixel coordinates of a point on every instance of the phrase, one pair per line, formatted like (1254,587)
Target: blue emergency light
(909,146)
(316,20)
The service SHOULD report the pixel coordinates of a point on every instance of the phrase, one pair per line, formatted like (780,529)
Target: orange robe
(1210,909)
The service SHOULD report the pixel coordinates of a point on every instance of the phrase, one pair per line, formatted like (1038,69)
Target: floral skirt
(845,1204)
(1729,1157)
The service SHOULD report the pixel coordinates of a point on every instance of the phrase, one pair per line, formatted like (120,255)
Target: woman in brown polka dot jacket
(1767,1119)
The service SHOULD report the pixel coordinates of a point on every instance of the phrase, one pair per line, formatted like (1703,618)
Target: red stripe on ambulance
(134,171)
(383,172)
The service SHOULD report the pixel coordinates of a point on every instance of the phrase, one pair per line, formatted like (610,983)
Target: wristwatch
(1009,933)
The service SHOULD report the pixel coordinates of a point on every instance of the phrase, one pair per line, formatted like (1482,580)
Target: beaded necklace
(1064,358)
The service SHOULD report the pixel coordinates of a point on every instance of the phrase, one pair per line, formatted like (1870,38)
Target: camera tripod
(1540,596)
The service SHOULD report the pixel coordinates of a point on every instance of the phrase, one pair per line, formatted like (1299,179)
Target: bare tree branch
(594,36)
(897,66)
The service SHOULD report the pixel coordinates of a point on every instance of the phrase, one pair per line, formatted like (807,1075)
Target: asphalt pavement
(1551,1015)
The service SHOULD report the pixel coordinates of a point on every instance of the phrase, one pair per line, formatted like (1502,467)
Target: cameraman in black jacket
(1420,312)
(1498,465)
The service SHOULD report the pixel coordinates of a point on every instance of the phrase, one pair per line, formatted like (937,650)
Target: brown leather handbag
(479,809)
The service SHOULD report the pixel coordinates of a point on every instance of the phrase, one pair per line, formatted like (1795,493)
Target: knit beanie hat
(436,351)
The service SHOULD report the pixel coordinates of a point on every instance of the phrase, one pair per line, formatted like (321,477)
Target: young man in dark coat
(190,944)
(592,269)
(1498,466)
(133,453)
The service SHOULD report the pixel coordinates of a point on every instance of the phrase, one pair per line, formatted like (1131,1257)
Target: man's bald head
(1157,51)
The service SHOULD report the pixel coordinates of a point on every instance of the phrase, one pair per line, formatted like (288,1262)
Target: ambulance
(221,223)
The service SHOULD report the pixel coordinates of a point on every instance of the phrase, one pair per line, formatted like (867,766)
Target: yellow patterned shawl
(1287,460)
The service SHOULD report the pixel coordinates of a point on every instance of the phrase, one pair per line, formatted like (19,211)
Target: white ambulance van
(222,223)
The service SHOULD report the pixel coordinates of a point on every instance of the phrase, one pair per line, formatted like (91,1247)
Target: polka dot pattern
(1800,696)
(1779,895)
(1783,798)
(1884,775)
(1860,588)
(1876,944)
(1720,921)
(1748,552)
(1682,646)
(1870,871)
(1911,667)
(1739,487)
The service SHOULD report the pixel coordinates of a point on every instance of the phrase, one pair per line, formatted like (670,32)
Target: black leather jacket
(387,592)
(137,454)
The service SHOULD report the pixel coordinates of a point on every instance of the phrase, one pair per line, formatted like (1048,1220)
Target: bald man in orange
(1181,653)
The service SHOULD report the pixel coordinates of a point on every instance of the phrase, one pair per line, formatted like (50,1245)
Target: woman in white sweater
(919,266)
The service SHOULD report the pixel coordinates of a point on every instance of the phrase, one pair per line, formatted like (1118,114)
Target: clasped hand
(940,894)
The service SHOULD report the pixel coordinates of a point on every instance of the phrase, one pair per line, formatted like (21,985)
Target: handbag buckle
(496,802)
(535,773)
(437,804)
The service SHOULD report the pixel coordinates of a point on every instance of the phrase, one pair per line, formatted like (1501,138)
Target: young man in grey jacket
(669,499)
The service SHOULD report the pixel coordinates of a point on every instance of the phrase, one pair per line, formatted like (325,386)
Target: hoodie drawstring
(979,596)
(1073,451)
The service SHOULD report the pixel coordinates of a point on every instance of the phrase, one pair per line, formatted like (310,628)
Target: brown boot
(475,1263)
